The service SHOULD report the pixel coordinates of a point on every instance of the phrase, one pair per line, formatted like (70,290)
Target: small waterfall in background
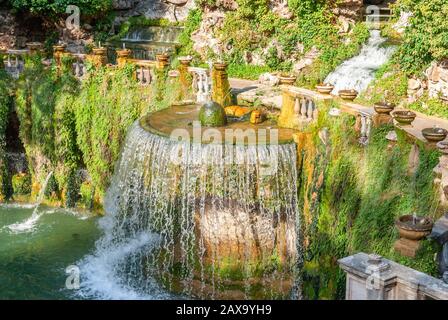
(146,42)
(29,224)
(204,227)
(358,72)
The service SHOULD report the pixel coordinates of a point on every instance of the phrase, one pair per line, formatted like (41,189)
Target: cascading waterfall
(30,223)
(199,224)
(358,72)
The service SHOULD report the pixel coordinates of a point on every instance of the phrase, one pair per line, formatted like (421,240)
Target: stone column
(185,77)
(162,61)
(221,85)
(58,52)
(99,57)
(288,115)
(123,56)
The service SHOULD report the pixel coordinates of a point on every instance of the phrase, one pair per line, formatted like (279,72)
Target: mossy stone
(212,114)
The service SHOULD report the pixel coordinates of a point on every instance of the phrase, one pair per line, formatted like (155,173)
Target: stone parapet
(375,278)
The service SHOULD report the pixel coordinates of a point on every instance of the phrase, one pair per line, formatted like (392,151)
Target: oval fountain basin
(414,228)
(179,118)
(434,134)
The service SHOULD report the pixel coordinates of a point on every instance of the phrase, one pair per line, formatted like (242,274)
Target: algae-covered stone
(212,114)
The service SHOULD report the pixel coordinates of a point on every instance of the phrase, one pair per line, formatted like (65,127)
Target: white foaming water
(357,72)
(99,271)
(29,224)
(155,207)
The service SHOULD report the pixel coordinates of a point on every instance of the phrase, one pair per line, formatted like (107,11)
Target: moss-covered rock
(212,114)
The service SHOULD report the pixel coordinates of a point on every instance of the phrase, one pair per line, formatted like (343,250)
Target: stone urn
(287,79)
(413,227)
(324,88)
(212,114)
(404,117)
(384,107)
(163,57)
(99,51)
(186,61)
(434,135)
(412,230)
(348,95)
(220,66)
(34,46)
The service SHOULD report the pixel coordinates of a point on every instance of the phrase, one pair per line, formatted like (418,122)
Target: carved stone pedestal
(406,247)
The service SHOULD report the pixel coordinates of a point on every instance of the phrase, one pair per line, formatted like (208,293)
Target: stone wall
(350,10)
(437,76)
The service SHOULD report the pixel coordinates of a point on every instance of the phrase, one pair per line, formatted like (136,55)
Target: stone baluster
(79,68)
(365,128)
(304,109)
(310,112)
(144,76)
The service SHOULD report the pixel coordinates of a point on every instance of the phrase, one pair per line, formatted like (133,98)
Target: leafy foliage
(426,38)
(6,190)
(54,7)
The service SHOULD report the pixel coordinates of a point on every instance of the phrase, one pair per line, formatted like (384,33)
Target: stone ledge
(397,275)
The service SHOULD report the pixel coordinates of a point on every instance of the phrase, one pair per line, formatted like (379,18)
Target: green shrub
(426,38)
(21,184)
(53,8)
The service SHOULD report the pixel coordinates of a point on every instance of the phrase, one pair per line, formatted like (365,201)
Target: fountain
(210,211)
(404,117)
(434,135)
(29,224)
(412,230)
(225,219)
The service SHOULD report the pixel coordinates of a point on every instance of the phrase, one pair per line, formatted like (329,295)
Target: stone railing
(144,72)
(371,277)
(299,107)
(15,62)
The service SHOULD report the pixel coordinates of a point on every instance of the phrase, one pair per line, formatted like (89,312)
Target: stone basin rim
(163,122)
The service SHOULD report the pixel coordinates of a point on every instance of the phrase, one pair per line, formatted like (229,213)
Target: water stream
(358,72)
(29,224)
(201,227)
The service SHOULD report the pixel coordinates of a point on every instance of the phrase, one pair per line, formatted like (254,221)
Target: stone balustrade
(300,107)
(15,62)
(144,72)
(201,83)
